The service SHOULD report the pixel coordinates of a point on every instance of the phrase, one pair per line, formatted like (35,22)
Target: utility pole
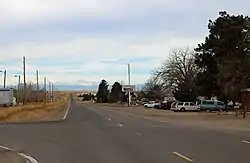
(129,97)
(24,80)
(52,92)
(45,89)
(49,91)
(37,81)
(18,89)
(4,80)
(37,86)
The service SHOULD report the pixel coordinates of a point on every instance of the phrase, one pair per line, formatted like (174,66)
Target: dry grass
(35,111)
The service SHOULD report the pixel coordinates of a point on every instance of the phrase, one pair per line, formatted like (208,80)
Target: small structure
(6,97)
(129,89)
(245,103)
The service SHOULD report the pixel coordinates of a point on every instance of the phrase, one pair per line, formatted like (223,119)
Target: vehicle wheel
(209,110)
(183,109)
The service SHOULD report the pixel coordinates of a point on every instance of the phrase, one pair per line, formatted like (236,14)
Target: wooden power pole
(24,81)
(4,79)
(37,86)
(45,90)
(49,91)
(52,92)
(37,81)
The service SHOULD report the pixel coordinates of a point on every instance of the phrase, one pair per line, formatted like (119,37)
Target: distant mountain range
(72,87)
(65,87)
(62,87)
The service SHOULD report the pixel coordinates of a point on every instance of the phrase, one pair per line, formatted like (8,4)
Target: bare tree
(178,72)
(153,90)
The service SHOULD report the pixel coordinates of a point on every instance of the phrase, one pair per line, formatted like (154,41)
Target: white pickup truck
(151,104)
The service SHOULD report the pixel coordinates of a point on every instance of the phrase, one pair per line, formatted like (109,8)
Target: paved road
(95,135)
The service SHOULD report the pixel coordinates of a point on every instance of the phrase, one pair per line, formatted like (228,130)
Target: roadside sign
(128,88)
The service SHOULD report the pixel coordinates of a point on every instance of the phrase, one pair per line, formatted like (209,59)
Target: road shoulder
(188,119)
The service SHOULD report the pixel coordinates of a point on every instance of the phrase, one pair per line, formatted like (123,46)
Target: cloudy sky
(83,41)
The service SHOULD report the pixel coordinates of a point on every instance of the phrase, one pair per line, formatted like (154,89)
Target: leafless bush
(30,94)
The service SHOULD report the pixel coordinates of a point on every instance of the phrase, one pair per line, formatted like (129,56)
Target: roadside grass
(35,111)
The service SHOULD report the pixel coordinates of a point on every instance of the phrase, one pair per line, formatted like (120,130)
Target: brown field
(36,111)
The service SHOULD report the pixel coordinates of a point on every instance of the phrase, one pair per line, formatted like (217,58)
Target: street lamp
(18,88)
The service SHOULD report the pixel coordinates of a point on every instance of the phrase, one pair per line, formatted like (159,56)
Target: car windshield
(220,103)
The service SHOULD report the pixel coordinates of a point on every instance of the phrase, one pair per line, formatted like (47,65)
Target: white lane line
(28,158)
(109,119)
(245,141)
(139,134)
(152,119)
(67,111)
(120,112)
(120,125)
(131,114)
(183,157)
(147,118)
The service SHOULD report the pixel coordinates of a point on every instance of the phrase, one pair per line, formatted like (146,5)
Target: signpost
(128,89)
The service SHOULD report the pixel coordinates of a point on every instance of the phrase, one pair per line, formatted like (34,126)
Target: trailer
(6,97)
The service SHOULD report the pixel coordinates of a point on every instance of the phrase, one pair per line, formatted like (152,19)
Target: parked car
(151,104)
(173,106)
(166,105)
(158,105)
(185,106)
(211,105)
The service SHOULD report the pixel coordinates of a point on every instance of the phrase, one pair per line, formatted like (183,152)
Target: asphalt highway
(91,134)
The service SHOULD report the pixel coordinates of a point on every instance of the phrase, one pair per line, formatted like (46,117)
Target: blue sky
(84,41)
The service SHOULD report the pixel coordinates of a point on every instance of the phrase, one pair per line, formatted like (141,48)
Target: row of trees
(87,96)
(113,95)
(220,66)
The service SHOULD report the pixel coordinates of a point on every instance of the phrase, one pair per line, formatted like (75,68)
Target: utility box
(6,97)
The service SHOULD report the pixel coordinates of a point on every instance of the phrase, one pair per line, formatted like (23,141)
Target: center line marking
(245,141)
(139,134)
(183,157)
(120,125)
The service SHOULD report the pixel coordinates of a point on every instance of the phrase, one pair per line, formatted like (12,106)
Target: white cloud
(32,10)
(99,53)
(95,51)
(101,48)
